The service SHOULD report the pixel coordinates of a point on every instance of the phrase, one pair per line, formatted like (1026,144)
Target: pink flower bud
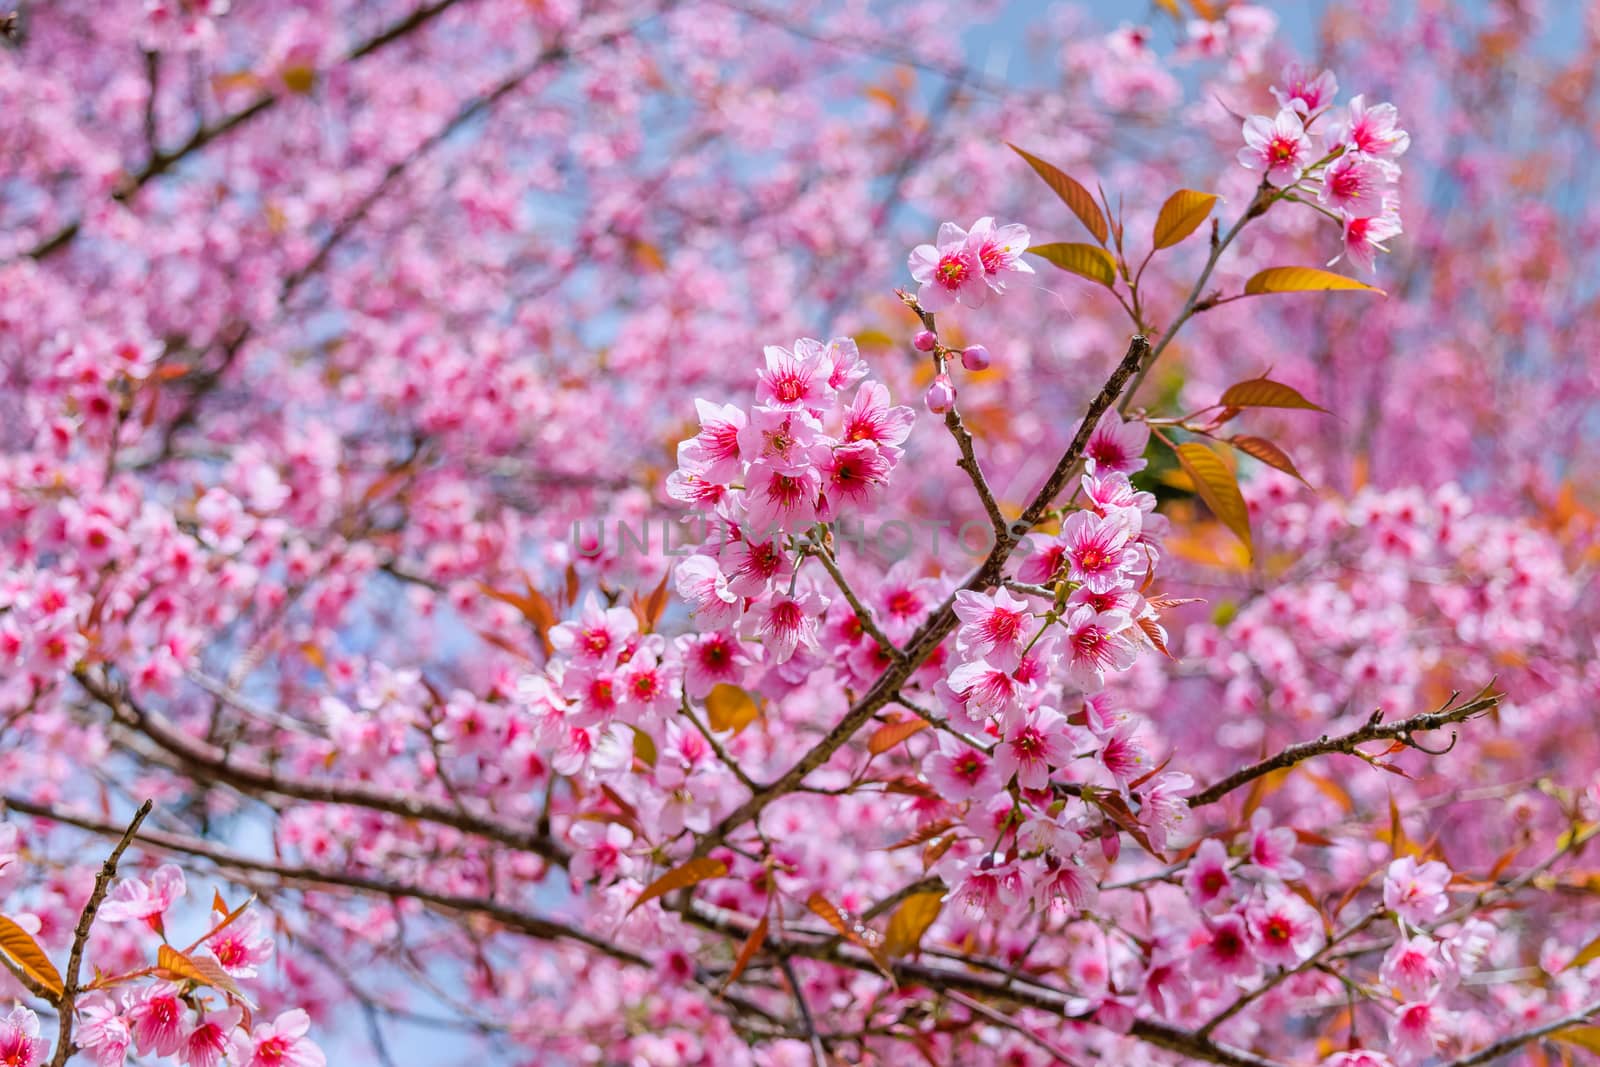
(941,395)
(924,341)
(975,357)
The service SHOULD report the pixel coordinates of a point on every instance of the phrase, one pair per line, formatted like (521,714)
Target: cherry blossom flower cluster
(1355,175)
(322,326)
(137,1012)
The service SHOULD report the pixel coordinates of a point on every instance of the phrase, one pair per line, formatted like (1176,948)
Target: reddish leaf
(922,836)
(747,952)
(1152,630)
(682,876)
(1268,453)
(1074,195)
(851,929)
(1263,392)
(886,737)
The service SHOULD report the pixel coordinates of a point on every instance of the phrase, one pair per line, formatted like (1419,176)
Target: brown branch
(1374,730)
(470,110)
(209,762)
(161,162)
(1509,1044)
(80,936)
(304,877)
(938,625)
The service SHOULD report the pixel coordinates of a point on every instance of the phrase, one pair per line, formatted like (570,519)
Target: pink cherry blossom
(999,250)
(1354,184)
(280,1043)
(1117,446)
(1416,891)
(136,899)
(1277,147)
(1032,747)
(20,1043)
(1374,131)
(1303,93)
(950,271)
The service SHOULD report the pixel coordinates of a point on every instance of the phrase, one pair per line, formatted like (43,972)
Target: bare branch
(1401,730)
(80,936)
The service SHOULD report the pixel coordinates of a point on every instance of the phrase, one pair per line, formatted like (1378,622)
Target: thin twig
(80,936)
(1374,730)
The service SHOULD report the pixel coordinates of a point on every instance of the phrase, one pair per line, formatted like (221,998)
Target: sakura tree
(701,532)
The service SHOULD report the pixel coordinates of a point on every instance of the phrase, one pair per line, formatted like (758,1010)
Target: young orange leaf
(1072,194)
(1084,260)
(1217,487)
(730,708)
(1588,954)
(22,948)
(1302,280)
(851,929)
(891,735)
(1181,215)
(910,921)
(1268,453)
(747,952)
(1265,393)
(1585,1037)
(681,877)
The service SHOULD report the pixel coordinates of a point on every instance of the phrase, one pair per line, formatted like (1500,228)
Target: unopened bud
(975,357)
(941,395)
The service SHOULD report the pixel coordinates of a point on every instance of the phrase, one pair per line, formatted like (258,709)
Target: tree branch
(161,162)
(939,625)
(207,761)
(1375,730)
(80,936)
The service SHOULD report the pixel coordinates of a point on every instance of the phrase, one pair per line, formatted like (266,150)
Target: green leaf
(1265,393)
(1181,215)
(910,921)
(1217,487)
(1302,280)
(1088,261)
(681,877)
(1072,194)
(1268,453)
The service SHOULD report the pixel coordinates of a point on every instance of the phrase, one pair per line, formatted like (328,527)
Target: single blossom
(1354,184)
(996,626)
(1303,93)
(1416,891)
(999,250)
(949,271)
(1278,147)
(20,1043)
(1032,748)
(280,1043)
(1117,445)
(136,899)
(1374,131)
(1363,237)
